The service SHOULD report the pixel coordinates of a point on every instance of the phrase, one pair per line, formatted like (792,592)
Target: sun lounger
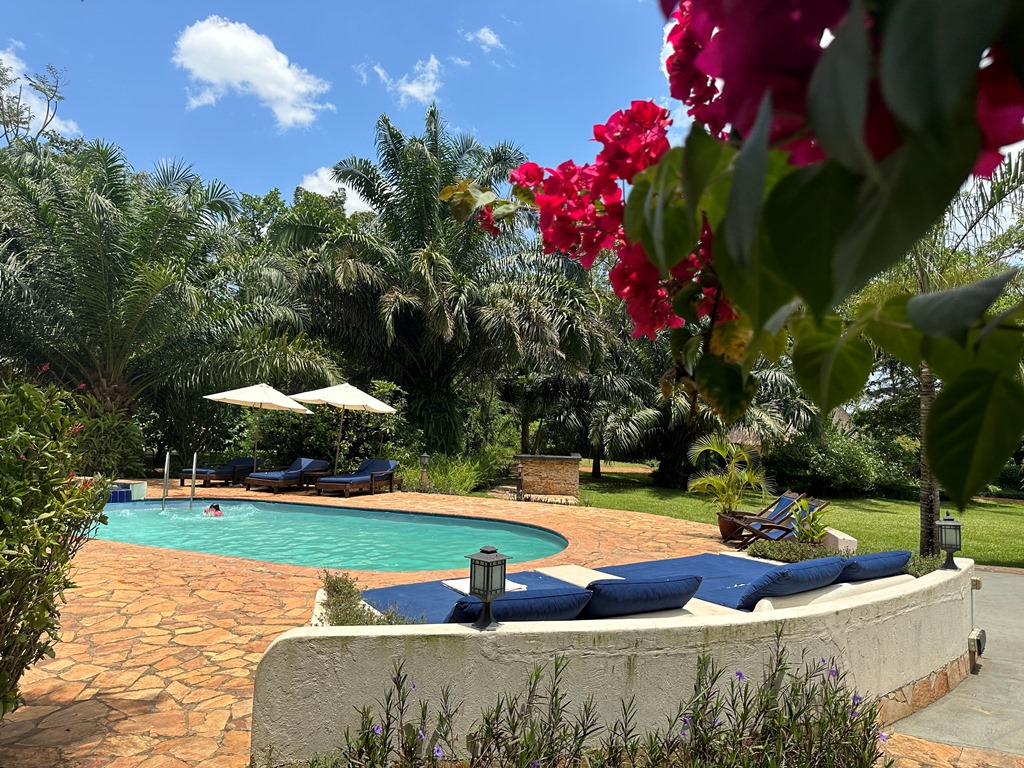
(231,472)
(372,474)
(284,478)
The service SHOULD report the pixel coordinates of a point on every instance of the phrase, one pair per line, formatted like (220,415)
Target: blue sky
(270,94)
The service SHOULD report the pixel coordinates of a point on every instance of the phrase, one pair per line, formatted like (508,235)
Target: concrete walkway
(986,711)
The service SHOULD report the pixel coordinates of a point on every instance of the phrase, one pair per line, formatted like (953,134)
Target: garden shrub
(835,465)
(795,715)
(343,604)
(45,517)
(109,443)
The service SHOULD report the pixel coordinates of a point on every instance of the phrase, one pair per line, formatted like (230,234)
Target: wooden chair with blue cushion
(371,474)
(763,529)
(232,472)
(776,512)
(275,480)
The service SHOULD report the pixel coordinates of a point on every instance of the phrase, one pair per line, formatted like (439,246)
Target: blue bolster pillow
(791,578)
(560,604)
(621,597)
(876,565)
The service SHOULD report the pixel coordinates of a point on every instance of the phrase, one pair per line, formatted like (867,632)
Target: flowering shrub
(46,515)
(796,715)
(829,136)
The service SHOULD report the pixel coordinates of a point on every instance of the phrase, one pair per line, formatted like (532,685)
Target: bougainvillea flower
(1000,111)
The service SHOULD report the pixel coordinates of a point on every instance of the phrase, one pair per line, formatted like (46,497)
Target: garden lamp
(949,539)
(487,582)
(424,460)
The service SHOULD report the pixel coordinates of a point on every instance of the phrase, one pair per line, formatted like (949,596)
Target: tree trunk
(929,485)
(595,465)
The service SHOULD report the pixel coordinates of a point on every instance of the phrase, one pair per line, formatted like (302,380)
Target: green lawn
(992,532)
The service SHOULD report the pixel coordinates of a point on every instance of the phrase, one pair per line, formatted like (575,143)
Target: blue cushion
(346,479)
(877,565)
(792,578)
(559,604)
(621,597)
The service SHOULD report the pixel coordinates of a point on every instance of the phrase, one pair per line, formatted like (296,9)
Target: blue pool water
(323,537)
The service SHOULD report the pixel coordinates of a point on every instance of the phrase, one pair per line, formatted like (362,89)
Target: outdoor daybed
(372,474)
(700,585)
(285,478)
(231,472)
(901,639)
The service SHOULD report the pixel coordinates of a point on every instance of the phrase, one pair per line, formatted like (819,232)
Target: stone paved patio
(159,647)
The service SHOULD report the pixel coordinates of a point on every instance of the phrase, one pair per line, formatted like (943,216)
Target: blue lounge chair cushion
(621,597)
(791,578)
(362,475)
(294,472)
(876,565)
(559,604)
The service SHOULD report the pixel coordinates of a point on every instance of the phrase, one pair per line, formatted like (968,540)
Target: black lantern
(949,539)
(486,581)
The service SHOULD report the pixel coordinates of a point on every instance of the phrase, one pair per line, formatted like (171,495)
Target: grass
(991,533)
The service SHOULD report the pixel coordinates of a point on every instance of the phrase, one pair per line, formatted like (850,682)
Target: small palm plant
(738,472)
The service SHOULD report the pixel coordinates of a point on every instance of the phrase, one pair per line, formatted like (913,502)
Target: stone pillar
(550,475)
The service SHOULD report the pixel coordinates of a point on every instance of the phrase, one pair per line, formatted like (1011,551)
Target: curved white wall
(311,681)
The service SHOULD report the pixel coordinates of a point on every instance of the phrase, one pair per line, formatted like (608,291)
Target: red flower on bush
(486,217)
(1000,111)
(634,139)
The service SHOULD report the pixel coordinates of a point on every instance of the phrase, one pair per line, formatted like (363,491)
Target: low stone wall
(550,475)
(311,681)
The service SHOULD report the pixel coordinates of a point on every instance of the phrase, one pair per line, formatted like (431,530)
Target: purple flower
(438,752)
(854,713)
(412,686)
(717,723)
(857,699)
(740,676)
(686,720)
(377,729)
(882,737)
(823,662)
(833,672)
(535,763)
(420,736)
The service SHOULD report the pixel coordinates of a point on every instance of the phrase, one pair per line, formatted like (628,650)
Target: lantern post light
(519,481)
(949,539)
(487,582)
(424,460)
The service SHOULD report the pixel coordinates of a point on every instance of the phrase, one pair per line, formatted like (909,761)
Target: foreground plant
(798,716)
(812,167)
(46,515)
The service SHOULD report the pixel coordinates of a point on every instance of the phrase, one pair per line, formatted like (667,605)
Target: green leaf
(952,311)
(743,212)
(919,179)
(831,367)
(656,215)
(524,195)
(930,55)
(805,216)
(504,210)
(889,327)
(757,285)
(706,176)
(975,423)
(770,344)
(725,386)
(837,100)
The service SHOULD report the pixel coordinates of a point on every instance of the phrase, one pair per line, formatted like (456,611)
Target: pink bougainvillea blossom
(486,218)
(1000,111)
(633,139)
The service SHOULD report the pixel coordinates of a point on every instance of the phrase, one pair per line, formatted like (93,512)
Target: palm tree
(414,296)
(739,472)
(132,283)
(980,233)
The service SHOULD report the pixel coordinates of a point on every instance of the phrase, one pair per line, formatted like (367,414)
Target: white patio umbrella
(259,396)
(347,398)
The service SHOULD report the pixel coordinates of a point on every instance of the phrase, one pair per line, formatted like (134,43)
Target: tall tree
(979,234)
(128,282)
(412,295)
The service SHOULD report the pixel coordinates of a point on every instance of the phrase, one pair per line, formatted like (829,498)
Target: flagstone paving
(159,647)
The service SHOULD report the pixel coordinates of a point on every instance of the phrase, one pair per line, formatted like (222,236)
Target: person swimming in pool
(213,511)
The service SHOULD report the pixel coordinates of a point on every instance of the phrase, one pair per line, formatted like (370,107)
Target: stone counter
(550,475)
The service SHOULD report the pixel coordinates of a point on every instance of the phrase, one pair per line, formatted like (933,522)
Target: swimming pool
(323,537)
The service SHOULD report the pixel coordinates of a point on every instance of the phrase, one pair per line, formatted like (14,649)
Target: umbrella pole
(256,440)
(337,443)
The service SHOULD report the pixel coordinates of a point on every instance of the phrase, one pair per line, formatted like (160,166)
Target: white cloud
(360,70)
(29,97)
(421,87)
(222,56)
(458,61)
(486,38)
(320,181)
